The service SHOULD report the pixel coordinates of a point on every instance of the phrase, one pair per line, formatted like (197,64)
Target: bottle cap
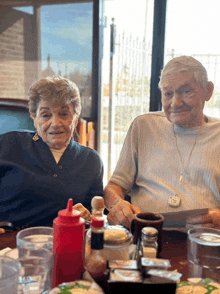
(68,214)
(97,222)
(97,203)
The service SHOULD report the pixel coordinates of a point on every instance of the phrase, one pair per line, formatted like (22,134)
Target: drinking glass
(34,269)
(9,275)
(204,253)
(35,238)
(38,238)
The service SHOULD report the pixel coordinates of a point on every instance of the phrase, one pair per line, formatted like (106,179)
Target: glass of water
(9,275)
(34,269)
(38,238)
(204,253)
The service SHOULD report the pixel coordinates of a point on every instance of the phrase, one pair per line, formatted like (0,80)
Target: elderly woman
(40,171)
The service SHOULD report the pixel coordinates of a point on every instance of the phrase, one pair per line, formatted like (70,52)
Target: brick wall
(18,53)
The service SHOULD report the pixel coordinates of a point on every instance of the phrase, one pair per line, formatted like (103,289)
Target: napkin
(3,251)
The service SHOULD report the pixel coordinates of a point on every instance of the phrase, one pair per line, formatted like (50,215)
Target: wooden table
(8,239)
(174,249)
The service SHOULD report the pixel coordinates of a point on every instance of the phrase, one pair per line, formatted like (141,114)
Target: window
(46,41)
(125,93)
(192,29)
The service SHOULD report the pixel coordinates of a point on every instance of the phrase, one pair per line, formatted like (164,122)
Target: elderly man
(170,160)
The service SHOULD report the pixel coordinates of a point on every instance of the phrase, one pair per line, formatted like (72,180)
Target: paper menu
(178,219)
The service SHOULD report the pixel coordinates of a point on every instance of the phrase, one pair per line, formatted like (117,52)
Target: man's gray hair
(186,64)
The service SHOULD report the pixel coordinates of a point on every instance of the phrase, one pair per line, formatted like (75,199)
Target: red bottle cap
(97,222)
(68,214)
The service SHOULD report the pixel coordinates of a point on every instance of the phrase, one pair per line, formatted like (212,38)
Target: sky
(193,26)
(66,34)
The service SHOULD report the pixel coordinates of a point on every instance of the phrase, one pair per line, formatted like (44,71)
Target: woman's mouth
(56,133)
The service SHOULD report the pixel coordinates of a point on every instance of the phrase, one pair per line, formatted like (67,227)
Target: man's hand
(209,220)
(122,214)
(84,212)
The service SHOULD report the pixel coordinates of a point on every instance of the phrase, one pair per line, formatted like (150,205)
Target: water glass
(204,253)
(35,238)
(9,275)
(34,269)
(38,238)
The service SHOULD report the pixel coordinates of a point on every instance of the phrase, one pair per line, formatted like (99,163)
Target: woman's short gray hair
(54,89)
(183,64)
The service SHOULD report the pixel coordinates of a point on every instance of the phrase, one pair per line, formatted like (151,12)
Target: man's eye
(168,95)
(186,92)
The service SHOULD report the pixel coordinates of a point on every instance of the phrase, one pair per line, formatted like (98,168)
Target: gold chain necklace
(175,200)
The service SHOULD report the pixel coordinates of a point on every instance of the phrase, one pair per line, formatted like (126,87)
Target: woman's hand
(122,214)
(2,231)
(84,212)
(209,220)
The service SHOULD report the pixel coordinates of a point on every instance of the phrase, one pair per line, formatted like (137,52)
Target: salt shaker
(149,244)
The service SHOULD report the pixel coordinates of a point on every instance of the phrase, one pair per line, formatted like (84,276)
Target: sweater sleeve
(127,165)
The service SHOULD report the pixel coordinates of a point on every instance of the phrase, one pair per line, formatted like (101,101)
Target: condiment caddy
(107,253)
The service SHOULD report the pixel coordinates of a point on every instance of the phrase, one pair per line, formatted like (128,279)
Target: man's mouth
(179,111)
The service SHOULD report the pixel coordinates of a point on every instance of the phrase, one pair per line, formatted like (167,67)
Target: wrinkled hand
(84,212)
(209,220)
(122,214)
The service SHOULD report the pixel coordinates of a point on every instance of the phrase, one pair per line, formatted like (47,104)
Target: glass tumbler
(34,269)
(38,238)
(9,275)
(204,253)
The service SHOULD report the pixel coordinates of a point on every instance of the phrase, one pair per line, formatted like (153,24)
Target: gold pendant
(174,201)
(35,138)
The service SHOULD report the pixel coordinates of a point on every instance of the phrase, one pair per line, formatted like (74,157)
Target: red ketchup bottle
(68,245)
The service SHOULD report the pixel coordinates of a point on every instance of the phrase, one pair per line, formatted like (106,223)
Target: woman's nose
(55,121)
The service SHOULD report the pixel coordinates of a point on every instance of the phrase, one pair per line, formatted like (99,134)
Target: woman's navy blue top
(33,187)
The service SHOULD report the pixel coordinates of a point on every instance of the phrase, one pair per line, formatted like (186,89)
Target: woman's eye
(45,115)
(64,114)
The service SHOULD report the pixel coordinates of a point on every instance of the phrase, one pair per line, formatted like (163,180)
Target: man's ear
(76,121)
(209,89)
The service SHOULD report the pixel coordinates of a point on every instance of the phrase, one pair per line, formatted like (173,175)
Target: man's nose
(176,100)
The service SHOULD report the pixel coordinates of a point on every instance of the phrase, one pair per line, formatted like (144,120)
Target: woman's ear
(34,119)
(209,89)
